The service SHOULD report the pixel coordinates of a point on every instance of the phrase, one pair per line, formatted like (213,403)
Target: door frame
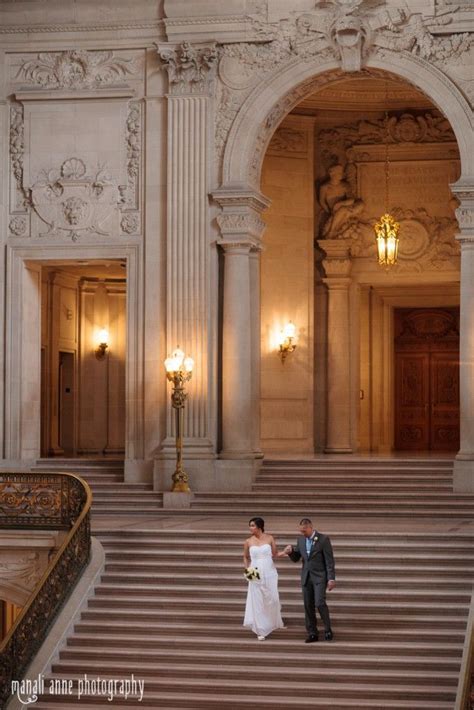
(380,414)
(23,345)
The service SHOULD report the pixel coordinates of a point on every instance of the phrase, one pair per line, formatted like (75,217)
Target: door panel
(444,376)
(412,428)
(427,379)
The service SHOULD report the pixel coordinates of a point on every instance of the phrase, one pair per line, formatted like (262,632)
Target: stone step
(201,542)
(366,557)
(219,701)
(156,561)
(348,536)
(268,497)
(224,612)
(337,689)
(446,512)
(317,673)
(111,583)
(361,462)
(330,487)
(211,640)
(143,571)
(148,661)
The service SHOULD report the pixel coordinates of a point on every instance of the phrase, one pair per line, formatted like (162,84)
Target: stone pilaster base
(463,476)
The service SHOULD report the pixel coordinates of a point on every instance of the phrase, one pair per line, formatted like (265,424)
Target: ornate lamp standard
(179,369)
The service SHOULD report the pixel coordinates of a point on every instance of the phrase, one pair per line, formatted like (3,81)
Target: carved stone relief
(25,570)
(351,30)
(134,145)
(71,199)
(76,69)
(288,140)
(426,242)
(17,149)
(71,202)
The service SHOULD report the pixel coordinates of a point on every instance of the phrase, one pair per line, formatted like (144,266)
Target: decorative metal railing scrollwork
(49,501)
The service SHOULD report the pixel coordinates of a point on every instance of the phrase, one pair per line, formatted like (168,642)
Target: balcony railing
(52,501)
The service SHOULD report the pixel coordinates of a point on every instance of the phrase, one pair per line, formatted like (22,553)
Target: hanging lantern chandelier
(386,229)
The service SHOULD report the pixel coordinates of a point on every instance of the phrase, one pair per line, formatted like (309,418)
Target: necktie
(308,545)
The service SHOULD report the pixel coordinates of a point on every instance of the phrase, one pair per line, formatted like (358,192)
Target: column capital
(336,259)
(240,219)
(191,68)
(463,189)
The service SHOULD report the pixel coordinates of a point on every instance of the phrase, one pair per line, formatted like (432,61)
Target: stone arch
(271,101)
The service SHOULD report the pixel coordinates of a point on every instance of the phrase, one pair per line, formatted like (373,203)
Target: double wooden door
(427,379)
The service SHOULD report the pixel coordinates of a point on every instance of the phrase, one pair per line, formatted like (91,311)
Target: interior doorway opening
(83,358)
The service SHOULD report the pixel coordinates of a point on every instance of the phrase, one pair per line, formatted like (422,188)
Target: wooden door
(412,396)
(444,401)
(427,379)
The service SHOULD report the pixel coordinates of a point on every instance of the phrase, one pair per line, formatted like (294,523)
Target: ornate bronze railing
(52,501)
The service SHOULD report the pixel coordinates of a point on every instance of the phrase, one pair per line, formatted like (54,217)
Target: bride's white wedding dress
(263,610)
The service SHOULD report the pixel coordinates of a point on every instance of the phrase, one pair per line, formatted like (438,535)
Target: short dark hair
(305,521)
(259,522)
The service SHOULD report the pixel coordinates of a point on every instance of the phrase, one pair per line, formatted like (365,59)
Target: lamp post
(179,369)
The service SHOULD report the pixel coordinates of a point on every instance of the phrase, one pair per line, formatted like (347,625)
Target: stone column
(241,229)
(337,266)
(464,463)
(191,73)
(255,312)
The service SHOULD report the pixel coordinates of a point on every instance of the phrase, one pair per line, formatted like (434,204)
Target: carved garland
(75,69)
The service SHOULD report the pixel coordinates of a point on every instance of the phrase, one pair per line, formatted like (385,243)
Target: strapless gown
(263,610)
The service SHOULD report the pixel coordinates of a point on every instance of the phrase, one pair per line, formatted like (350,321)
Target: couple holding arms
(263,611)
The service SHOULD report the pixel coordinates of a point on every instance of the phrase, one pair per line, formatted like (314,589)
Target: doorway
(426,379)
(66,405)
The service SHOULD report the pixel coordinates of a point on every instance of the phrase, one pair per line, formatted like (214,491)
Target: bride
(262,610)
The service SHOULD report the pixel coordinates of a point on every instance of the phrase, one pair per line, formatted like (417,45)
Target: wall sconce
(179,369)
(286,343)
(101,349)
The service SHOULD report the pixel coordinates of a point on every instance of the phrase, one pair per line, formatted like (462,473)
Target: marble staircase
(169,607)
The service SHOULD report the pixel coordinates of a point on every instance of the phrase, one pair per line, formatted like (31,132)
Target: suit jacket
(319,566)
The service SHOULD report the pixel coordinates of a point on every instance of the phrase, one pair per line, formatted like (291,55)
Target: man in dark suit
(317,574)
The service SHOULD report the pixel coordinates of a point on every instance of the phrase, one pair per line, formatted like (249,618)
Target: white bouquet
(251,574)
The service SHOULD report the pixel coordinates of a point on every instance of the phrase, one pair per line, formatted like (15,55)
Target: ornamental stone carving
(129,196)
(24,570)
(130,223)
(351,30)
(17,149)
(71,202)
(190,69)
(289,140)
(76,69)
(18,226)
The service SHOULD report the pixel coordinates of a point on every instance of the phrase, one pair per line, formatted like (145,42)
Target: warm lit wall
(287,288)
(102,382)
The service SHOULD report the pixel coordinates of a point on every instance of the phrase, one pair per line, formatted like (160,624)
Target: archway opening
(337,391)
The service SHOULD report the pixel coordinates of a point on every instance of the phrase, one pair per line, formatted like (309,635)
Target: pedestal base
(463,476)
(177,501)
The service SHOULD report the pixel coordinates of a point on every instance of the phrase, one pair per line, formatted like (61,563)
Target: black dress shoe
(311,638)
(328,635)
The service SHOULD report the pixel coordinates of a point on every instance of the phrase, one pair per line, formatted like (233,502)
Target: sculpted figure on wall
(339,205)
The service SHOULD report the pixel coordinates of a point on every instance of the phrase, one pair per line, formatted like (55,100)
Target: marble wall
(287,278)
